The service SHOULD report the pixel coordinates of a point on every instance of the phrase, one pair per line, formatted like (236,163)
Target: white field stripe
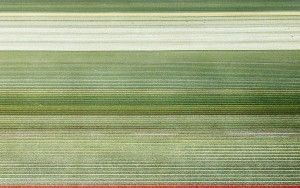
(150,31)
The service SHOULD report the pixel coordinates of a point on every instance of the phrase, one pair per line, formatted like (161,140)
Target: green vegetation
(147,5)
(161,117)
(137,83)
(149,149)
(149,117)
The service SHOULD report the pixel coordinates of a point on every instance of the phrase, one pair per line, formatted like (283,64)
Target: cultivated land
(174,82)
(147,5)
(150,31)
(172,149)
(149,117)
(138,114)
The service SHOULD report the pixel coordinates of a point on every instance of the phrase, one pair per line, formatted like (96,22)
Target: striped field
(147,5)
(164,117)
(149,93)
(150,31)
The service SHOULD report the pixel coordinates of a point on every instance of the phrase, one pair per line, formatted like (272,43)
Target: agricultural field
(149,92)
(141,83)
(176,149)
(147,5)
(162,117)
(150,31)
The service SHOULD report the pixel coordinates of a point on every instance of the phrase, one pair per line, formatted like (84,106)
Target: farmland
(149,117)
(149,92)
(146,5)
(150,149)
(137,83)
(150,31)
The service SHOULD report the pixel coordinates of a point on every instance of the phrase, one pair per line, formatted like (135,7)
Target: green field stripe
(111,124)
(161,117)
(117,150)
(249,57)
(153,83)
(148,109)
(151,99)
(147,6)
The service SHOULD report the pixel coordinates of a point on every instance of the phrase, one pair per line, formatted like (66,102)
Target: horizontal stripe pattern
(146,32)
(149,94)
(171,117)
(163,83)
(149,149)
(146,5)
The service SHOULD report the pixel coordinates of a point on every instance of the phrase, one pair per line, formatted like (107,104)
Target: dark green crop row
(147,5)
